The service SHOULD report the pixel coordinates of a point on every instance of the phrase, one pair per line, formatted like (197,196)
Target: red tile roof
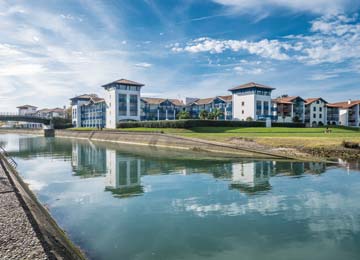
(124,82)
(285,100)
(26,106)
(251,85)
(345,104)
(158,101)
(226,98)
(312,100)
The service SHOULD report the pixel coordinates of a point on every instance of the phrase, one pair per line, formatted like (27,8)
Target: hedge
(201,123)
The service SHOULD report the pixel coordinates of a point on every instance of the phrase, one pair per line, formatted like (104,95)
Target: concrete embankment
(161,140)
(27,230)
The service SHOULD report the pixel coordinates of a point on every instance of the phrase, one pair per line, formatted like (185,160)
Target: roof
(124,82)
(286,100)
(157,101)
(345,104)
(312,100)
(26,106)
(251,85)
(84,96)
(48,110)
(204,101)
(226,98)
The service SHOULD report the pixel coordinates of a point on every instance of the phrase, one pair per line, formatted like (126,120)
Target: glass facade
(122,104)
(133,105)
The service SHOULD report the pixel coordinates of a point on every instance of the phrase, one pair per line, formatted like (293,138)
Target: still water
(120,202)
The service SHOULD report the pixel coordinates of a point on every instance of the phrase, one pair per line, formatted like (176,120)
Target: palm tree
(183,115)
(217,113)
(203,114)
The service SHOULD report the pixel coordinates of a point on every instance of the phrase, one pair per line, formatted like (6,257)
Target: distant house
(52,112)
(26,110)
(289,109)
(345,113)
(223,103)
(160,108)
(251,100)
(315,111)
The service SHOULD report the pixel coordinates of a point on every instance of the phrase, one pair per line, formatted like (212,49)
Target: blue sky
(53,50)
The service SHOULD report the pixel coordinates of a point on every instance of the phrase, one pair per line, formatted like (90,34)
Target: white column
(158,114)
(166,114)
(127,105)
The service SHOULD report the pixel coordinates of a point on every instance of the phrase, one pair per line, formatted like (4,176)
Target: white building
(315,112)
(26,110)
(122,101)
(345,113)
(76,104)
(251,100)
(289,109)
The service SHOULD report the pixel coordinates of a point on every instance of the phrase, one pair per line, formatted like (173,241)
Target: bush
(292,125)
(249,119)
(201,123)
(61,123)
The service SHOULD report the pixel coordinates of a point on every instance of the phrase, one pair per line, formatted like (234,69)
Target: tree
(296,119)
(217,113)
(211,116)
(249,119)
(203,114)
(183,115)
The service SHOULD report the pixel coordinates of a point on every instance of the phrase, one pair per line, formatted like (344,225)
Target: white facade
(251,174)
(26,110)
(76,113)
(122,102)
(251,101)
(316,113)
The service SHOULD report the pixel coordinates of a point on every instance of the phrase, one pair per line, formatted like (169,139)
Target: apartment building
(160,108)
(223,103)
(26,110)
(289,109)
(345,113)
(122,101)
(76,104)
(52,112)
(315,112)
(251,101)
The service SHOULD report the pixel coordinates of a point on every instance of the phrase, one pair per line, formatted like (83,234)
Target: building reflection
(123,175)
(251,177)
(88,160)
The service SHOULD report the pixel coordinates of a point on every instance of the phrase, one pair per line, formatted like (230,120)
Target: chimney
(349,101)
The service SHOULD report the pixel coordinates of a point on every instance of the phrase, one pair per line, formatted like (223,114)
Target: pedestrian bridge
(25,118)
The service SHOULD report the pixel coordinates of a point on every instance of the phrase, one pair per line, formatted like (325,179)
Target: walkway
(18,239)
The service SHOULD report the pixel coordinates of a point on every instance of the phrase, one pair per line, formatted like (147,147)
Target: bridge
(47,122)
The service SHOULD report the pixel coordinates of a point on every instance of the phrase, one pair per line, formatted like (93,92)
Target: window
(243,103)
(133,105)
(242,112)
(317,101)
(258,107)
(314,115)
(122,105)
(266,107)
(320,109)
(314,109)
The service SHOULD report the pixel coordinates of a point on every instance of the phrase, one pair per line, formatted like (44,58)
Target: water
(120,202)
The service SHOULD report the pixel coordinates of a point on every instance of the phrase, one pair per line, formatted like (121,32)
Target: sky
(53,50)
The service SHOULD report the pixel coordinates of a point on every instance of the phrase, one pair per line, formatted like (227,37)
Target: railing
(19,115)
(8,157)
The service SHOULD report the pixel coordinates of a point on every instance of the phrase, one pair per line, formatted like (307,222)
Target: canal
(119,202)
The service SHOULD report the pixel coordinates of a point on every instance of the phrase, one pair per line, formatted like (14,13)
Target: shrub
(249,119)
(183,115)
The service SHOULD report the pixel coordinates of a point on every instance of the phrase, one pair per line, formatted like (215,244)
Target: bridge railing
(20,115)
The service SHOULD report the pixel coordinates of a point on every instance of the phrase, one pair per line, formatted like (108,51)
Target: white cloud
(332,39)
(313,6)
(265,48)
(143,65)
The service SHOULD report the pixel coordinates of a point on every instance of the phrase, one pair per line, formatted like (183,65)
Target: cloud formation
(313,6)
(332,39)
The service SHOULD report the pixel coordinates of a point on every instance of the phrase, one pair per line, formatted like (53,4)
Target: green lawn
(276,136)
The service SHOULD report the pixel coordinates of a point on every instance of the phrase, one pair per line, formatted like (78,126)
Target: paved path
(18,240)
